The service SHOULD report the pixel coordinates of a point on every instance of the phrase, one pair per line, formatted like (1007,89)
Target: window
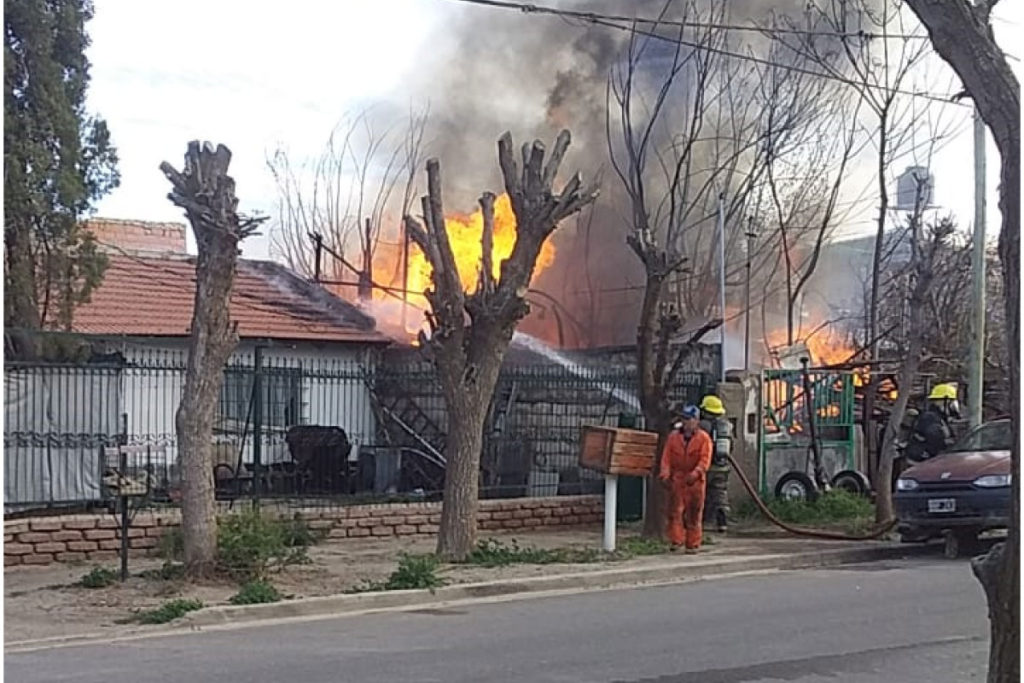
(282,399)
(993,436)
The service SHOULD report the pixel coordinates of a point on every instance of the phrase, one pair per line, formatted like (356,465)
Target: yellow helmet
(941,392)
(713,405)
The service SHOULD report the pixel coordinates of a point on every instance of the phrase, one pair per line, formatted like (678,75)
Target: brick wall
(138,236)
(79,538)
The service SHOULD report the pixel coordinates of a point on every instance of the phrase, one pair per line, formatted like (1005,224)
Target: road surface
(914,620)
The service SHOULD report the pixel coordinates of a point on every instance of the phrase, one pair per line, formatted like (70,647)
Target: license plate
(942,505)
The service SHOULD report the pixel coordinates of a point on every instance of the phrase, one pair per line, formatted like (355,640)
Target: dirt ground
(45,602)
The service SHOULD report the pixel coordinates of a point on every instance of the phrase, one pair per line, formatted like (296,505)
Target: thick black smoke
(491,70)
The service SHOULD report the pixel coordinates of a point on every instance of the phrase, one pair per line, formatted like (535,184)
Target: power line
(531,8)
(600,20)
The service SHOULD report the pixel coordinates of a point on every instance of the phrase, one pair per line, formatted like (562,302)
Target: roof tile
(152,296)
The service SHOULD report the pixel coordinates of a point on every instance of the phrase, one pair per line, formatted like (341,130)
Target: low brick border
(96,537)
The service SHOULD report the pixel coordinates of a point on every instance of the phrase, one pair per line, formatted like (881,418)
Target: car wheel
(852,481)
(960,542)
(796,486)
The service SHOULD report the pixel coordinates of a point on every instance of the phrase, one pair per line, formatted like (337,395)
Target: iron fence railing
(318,429)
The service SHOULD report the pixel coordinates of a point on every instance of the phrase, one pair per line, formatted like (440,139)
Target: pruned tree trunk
(924,268)
(207,194)
(961,33)
(468,353)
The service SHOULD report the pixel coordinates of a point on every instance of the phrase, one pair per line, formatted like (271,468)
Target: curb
(664,573)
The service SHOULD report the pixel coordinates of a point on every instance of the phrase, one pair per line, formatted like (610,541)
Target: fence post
(257,427)
(122,464)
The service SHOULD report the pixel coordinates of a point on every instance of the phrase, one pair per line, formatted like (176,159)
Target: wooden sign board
(618,451)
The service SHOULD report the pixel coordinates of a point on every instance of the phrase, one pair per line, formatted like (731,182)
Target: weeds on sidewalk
(413,572)
(167,612)
(494,553)
(256,593)
(99,577)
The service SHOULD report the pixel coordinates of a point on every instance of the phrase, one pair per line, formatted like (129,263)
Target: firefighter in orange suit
(684,464)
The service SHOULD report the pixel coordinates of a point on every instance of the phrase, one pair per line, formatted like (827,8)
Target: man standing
(684,462)
(716,509)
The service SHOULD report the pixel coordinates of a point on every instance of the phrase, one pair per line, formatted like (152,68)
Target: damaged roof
(154,296)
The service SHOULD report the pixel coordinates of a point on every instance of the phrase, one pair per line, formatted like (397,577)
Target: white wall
(332,392)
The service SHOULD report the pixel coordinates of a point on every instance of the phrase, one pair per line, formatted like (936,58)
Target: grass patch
(256,593)
(638,546)
(169,611)
(835,507)
(99,577)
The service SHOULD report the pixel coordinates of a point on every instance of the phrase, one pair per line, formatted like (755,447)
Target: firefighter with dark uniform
(716,507)
(932,433)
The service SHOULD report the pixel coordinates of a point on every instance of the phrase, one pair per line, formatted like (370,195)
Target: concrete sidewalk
(42,606)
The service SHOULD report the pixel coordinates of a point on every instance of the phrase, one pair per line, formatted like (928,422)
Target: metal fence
(324,431)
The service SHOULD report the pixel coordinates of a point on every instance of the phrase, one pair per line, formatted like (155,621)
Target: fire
(831,410)
(825,347)
(464,235)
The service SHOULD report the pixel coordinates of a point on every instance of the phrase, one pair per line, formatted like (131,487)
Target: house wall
(332,391)
(93,538)
(58,419)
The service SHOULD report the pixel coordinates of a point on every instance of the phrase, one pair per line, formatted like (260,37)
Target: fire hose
(798,531)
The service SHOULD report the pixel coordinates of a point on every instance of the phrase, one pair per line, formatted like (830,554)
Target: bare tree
(804,178)
(684,169)
(868,50)
(346,193)
(961,32)
(207,194)
(468,353)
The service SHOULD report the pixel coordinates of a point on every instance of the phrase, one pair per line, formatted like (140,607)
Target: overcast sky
(254,76)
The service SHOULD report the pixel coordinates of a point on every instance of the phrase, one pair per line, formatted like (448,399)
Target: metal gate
(785,443)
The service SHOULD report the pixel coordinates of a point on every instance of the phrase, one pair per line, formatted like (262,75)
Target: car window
(994,436)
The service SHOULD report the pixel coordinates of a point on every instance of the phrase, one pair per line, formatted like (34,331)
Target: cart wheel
(796,486)
(853,482)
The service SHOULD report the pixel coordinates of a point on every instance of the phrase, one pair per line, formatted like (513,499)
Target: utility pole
(721,274)
(746,295)
(977,364)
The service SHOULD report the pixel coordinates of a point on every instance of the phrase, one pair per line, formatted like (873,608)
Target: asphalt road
(915,620)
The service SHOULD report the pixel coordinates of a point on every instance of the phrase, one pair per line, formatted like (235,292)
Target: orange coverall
(684,463)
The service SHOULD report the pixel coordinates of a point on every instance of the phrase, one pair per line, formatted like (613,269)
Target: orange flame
(464,235)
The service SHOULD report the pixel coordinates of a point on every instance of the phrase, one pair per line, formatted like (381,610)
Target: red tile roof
(149,296)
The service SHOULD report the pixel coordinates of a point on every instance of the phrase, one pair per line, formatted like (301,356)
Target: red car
(960,493)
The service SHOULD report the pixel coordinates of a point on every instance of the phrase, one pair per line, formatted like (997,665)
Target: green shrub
(251,545)
(415,572)
(256,593)
(169,611)
(99,577)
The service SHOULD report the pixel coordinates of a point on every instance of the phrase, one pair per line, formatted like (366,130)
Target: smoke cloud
(491,70)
